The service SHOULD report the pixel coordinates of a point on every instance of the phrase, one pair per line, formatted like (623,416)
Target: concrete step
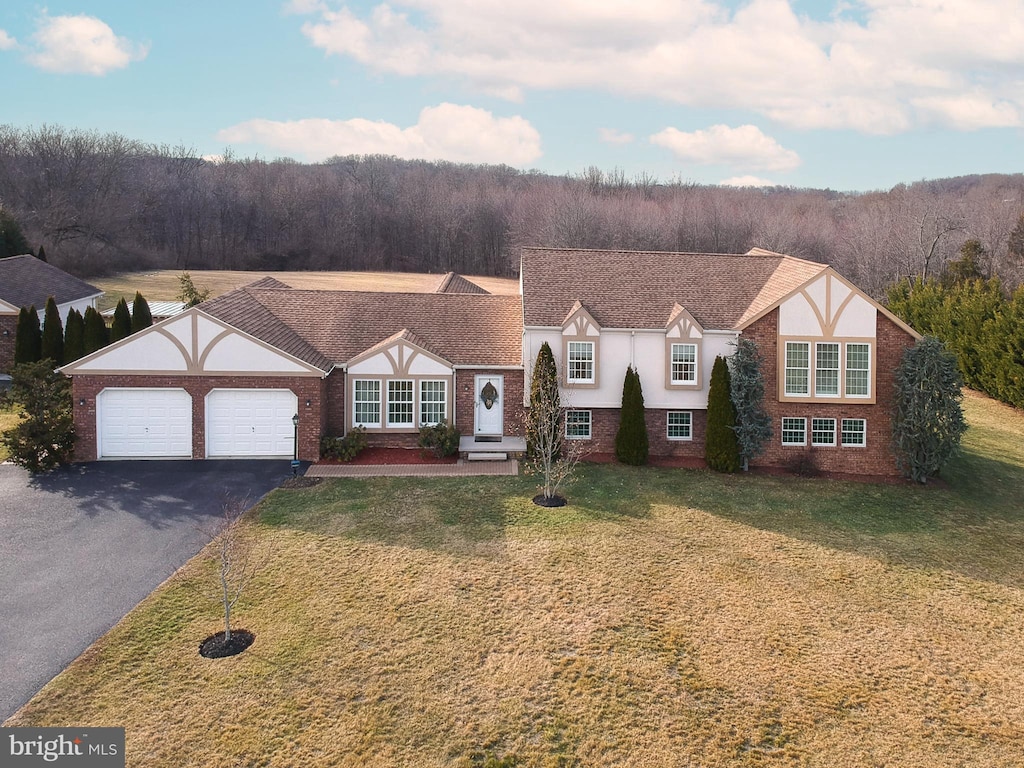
(487,456)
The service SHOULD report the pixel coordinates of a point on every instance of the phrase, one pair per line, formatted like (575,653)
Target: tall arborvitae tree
(97,335)
(928,420)
(74,336)
(28,340)
(121,328)
(753,424)
(53,334)
(543,388)
(721,450)
(42,254)
(141,316)
(631,442)
(12,241)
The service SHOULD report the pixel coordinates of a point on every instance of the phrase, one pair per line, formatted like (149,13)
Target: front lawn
(666,618)
(8,418)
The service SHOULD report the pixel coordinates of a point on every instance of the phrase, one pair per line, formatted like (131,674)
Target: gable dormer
(581,348)
(683,342)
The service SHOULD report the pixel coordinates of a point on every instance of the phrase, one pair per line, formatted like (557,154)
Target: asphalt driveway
(79,548)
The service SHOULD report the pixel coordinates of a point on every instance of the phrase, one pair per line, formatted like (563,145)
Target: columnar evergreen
(544,389)
(96,335)
(721,450)
(928,420)
(122,326)
(53,334)
(141,316)
(28,340)
(74,336)
(753,424)
(631,442)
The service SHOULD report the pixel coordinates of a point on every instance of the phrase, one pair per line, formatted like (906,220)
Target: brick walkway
(462,469)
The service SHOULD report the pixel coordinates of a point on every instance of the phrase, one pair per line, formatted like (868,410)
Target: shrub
(28,339)
(45,436)
(631,442)
(753,425)
(721,451)
(141,316)
(97,335)
(74,336)
(121,327)
(442,438)
(53,334)
(344,448)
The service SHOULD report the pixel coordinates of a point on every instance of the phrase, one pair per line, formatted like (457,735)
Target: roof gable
(25,280)
(191,343)
(453,282)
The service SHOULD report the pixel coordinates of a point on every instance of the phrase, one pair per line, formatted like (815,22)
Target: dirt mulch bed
(395,456)
(214,647)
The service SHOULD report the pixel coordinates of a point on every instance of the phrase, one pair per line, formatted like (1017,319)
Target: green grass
(666,617)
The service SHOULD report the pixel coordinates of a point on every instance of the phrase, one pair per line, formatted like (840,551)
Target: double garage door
(157,423)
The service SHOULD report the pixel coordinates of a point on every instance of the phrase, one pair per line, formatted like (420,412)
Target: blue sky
(851,94)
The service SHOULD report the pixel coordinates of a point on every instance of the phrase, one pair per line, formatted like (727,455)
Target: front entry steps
(493,448)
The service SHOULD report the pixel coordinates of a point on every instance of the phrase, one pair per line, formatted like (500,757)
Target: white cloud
(876,66)
(612,136)
(6,41)
(746,181)
(445,132)
(82,45)
(742,147)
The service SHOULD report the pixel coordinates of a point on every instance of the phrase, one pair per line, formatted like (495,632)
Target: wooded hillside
(103,203)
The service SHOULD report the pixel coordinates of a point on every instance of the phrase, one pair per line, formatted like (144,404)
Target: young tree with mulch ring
(121,327)
(74,336)
(141,316)
(97,335)
(53,334)
(721,450)
(28,339)
(746,388)
(928,419)
(631,442)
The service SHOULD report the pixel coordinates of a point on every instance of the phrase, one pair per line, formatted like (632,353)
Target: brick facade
(604,424)
(876,458)
(307,389)
(8,331)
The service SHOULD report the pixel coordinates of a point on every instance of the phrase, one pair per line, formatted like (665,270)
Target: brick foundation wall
(311,418)
(8,325)
(876,458)
(604,424)
(465,400)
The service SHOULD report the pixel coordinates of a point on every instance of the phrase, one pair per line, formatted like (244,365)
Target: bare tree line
(103,203)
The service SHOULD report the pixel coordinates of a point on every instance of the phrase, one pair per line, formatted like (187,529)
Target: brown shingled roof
(335,326)
(453,282)
(25,280)
(639,289)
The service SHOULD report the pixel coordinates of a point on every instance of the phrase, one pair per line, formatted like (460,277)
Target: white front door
(250,422)
(490,405)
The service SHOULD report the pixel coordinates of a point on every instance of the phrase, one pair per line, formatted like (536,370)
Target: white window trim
(782,431)
(420,401)
(671,363)
(400,424)
(379,401)
(838,369)
(786,368)
(835,423)
(846,370)
(590,425)
(864,434)
(668,426)
(568,362)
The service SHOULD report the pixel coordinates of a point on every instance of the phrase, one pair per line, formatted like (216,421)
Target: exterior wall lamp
(295,444)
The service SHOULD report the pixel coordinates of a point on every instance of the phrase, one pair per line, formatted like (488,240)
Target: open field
(162,285)
(666,618)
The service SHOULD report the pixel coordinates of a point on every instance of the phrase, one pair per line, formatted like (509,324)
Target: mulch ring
(394,456)
(214,647)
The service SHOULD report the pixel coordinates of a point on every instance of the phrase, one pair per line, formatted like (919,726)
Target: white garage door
(144,423)
(250,422)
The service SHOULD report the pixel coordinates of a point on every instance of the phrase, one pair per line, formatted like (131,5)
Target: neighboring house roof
(336,326)
(453,282)
(25,280)
(158,309)
(640,289)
